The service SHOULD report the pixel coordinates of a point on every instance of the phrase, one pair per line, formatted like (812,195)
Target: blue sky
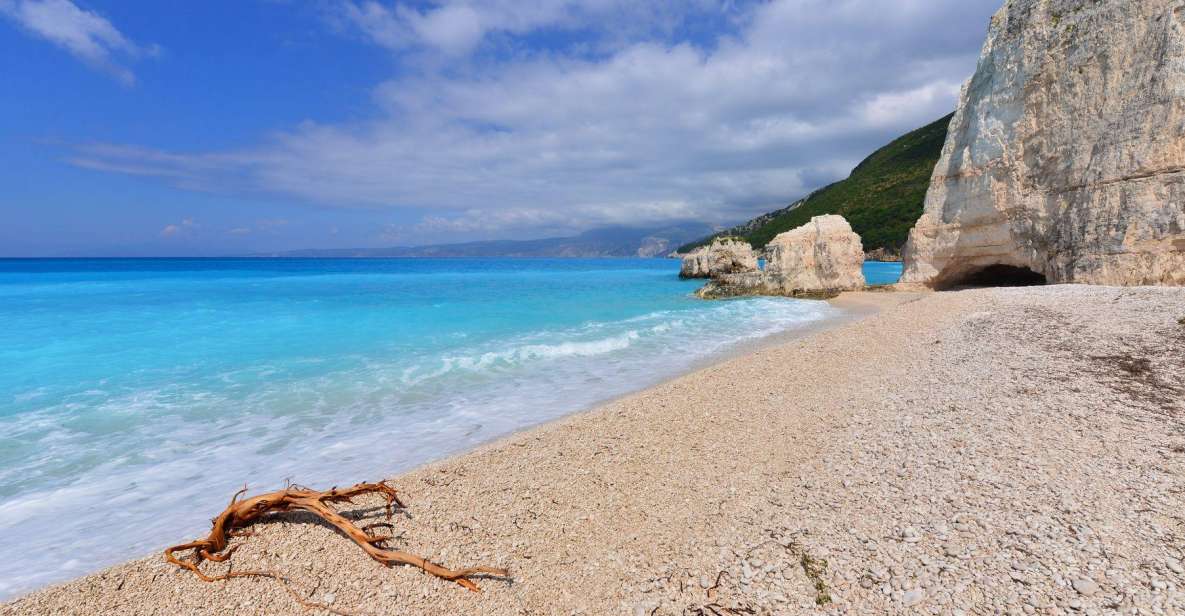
(222,127)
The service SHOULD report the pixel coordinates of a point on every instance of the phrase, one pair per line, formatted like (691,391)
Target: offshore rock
(734,285)
(822,256)
(722,256)
(819,259)
(1066,157)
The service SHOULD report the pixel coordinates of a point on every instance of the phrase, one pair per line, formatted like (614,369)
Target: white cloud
(454,29)
(653,130)
(482,221)
(889,108)
(173,230)
(87,35)
(457,27)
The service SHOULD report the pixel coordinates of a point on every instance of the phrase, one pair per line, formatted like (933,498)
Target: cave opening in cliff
(997,275)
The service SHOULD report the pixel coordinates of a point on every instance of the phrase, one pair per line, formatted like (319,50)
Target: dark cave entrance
(998,275)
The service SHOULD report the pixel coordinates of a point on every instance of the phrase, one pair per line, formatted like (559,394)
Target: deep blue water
(181,379)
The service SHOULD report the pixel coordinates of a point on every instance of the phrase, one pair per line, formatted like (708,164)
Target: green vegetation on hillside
(882,198)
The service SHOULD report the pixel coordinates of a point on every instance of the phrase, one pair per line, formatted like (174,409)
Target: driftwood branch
(240,513)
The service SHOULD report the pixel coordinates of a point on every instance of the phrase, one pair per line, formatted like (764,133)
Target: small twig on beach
(240,513)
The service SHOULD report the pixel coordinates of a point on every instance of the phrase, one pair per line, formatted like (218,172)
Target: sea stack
(818,259)
(822,256)
(1065,161)
(722,256)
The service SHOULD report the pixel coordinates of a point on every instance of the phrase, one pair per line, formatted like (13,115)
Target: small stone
(1075,604)
(913,597)
(644,609)
(1175,566)
(705,581)
(1085,587)
(329,598)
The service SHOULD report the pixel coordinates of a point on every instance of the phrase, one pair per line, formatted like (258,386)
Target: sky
(147,128)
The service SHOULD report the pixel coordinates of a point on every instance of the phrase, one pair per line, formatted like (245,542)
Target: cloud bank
(566,114)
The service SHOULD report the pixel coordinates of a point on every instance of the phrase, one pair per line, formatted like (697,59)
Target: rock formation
(824,255)
(723,256)
(818,259)
(1066,158)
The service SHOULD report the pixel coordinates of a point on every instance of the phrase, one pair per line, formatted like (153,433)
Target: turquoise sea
(137,395)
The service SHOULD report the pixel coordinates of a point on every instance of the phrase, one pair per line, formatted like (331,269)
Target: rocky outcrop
(734,285)
(1066,158)
(723,256)
(824,255)
(818,259)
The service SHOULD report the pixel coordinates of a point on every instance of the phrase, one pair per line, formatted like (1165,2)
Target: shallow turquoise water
(882,272)
(183,379)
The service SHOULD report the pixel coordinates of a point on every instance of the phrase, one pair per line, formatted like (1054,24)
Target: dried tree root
(216,546)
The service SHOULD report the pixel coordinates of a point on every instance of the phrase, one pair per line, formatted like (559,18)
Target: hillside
(882,198)
(605,242)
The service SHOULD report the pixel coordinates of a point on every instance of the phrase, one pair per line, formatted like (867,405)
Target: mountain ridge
(617,241)
(881,198)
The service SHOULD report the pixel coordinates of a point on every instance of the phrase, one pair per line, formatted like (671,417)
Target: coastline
(852,310)
(719,485)
(855,306)
(315,398)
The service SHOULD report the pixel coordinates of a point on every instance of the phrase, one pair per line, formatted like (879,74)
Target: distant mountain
(606,242)
(882,198)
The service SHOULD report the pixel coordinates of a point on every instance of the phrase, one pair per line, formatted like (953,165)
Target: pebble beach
(984,451)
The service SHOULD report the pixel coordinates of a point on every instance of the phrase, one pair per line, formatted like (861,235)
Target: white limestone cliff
(1066,156)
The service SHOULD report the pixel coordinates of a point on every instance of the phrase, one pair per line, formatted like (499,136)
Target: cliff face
(1067,153)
